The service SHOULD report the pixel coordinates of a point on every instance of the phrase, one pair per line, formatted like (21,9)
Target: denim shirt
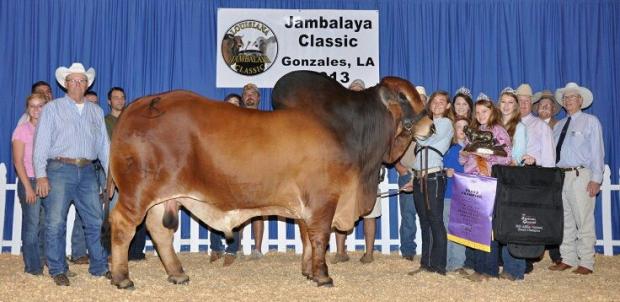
(440,140)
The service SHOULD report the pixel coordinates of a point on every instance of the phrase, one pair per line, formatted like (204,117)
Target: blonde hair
(34,96)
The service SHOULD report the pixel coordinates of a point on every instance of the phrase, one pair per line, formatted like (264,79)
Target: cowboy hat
(421,90)
(359,83)
(524,90)
(586,94)
(545,94)
(62,73)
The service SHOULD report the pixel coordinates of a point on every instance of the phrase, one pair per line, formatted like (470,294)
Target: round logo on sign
(249,47)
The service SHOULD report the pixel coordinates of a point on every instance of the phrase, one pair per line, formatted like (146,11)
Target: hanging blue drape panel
(150,46)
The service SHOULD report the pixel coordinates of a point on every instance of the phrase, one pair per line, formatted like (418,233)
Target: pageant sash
(471,210)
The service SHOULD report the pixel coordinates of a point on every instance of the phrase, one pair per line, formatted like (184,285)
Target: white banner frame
(262,45)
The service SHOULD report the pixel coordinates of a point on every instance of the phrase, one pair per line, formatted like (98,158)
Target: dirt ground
(277,277)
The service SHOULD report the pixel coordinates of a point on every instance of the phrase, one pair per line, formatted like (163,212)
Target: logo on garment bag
(528,224)
(249,47)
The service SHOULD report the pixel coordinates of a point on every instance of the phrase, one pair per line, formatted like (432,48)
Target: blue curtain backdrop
(150,46)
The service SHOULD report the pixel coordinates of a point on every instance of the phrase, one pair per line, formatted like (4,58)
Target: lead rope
(425,179)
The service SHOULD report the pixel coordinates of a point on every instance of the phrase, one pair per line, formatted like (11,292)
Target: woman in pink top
(486,264)
(32,210)
(487,119)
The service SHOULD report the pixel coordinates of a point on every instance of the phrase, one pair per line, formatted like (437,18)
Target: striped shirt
(65,132)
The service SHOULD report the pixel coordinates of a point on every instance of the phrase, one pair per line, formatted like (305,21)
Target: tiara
(483,97)
(464,90)
(508,90)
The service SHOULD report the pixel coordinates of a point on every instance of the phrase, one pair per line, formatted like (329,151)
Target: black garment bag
(528,209)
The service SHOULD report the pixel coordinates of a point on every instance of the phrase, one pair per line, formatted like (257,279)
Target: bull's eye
(402,96)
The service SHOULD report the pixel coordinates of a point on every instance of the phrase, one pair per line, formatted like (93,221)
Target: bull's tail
(106,229)
(110,185)
(171,214)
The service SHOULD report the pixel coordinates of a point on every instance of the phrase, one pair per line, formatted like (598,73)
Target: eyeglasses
(77,82)
(570,97)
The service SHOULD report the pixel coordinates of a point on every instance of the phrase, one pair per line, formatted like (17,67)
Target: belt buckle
(81,162)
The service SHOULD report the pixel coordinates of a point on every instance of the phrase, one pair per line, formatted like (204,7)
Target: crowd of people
(61,150)
(524,125)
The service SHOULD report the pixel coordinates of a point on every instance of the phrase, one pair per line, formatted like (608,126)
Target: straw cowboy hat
(586,94)
(545,94)
(524,90)
(62,73)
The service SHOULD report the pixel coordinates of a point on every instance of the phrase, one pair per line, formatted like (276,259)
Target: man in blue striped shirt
(70,135)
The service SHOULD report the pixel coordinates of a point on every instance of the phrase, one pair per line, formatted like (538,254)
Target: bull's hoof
(325,282)
(124,284)
(307,275)
(181,279)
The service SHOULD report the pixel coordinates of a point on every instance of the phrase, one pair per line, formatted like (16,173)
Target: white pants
(579,233)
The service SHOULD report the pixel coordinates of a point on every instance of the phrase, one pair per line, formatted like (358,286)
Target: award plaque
(483,142)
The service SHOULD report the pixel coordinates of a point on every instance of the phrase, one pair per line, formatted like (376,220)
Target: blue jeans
(456,252)
(69,182)
(486,263)
(434,238)
(216,242)
(78,241)
(33,231)
(408,228)
(136,247)
(513,266)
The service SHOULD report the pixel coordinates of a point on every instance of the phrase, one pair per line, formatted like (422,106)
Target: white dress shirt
(540,144)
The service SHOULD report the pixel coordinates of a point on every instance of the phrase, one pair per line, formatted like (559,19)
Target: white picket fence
(194,242)
(386,241)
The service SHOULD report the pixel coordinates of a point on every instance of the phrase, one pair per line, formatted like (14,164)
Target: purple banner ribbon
(471,210)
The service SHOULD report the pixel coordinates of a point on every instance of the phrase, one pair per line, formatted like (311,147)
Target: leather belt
(421,173)
(80,162)
(569,169)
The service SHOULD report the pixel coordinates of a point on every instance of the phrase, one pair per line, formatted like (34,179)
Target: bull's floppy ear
(386,96)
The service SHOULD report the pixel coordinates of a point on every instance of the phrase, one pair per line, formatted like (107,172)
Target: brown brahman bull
(227,164)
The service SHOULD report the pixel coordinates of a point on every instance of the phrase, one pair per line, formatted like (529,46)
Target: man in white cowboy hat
(546,107)
(580,154)
(540,146)
(69,137)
